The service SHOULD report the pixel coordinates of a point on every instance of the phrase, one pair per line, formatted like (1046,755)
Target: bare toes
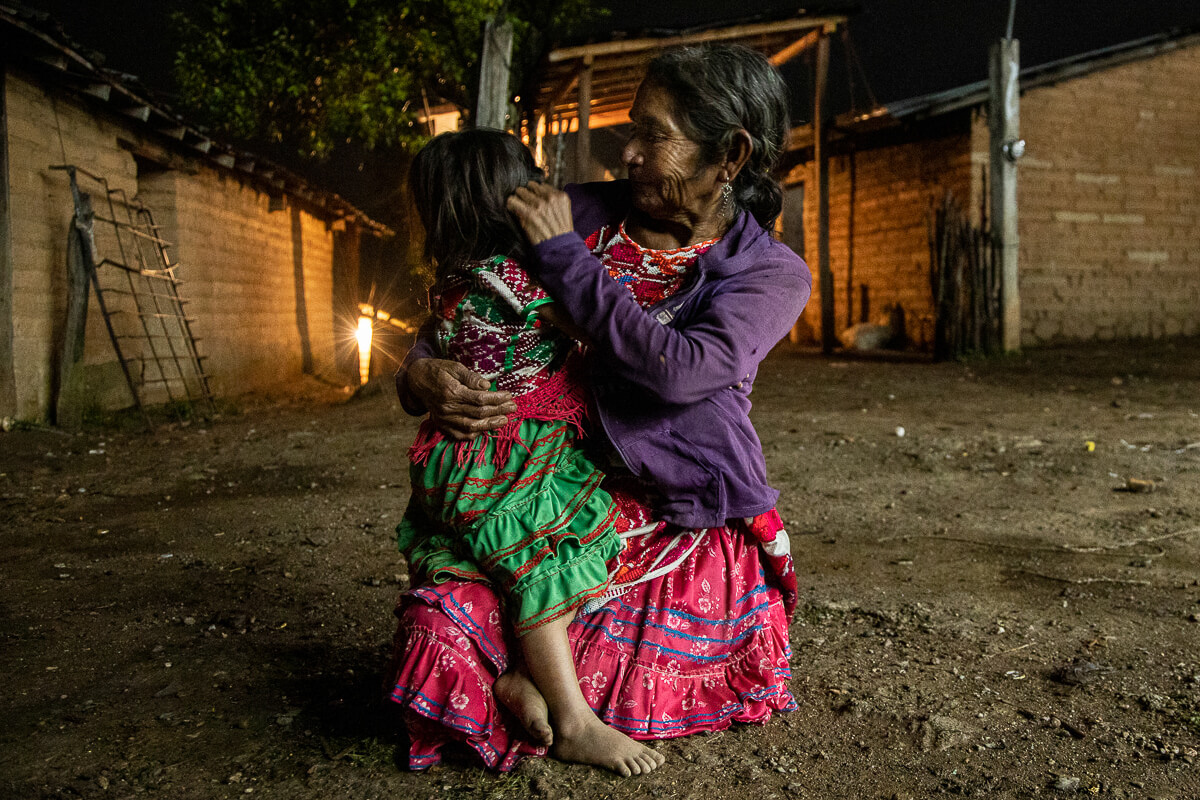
(541,732)
(648,762)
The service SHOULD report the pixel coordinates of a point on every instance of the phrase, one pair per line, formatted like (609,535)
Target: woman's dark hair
(719,89)
(460,182)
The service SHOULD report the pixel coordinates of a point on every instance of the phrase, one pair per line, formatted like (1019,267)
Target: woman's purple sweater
(672,382)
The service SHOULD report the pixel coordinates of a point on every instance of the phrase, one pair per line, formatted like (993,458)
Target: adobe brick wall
(236,260)
(1109,203)
(236,257)
(893,190)
(42,131)
(1108,209)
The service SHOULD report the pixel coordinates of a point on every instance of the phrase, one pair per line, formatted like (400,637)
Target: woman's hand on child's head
(459,401)
(543,211)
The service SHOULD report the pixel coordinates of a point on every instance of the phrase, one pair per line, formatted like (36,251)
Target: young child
(521,506)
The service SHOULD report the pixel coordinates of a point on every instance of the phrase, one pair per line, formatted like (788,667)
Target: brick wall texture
(258,282)
(1108,209)
(878,231)
(1109,203)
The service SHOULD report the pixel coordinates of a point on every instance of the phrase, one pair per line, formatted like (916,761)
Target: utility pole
(1005,147)
(491,107)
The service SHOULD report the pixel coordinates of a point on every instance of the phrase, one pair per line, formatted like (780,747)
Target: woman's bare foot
(517,693)
(590,741)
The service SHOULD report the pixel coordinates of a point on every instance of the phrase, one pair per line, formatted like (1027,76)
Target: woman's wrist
(408,401)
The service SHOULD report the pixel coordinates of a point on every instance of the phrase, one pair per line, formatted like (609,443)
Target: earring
(726,199)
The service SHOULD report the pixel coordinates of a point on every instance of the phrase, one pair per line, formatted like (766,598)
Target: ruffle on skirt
(539,525)
(696,649)
(442,678)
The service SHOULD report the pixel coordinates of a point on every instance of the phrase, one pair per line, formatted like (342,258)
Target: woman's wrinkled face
(666,172)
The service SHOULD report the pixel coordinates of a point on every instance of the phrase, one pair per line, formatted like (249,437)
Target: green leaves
(318,74)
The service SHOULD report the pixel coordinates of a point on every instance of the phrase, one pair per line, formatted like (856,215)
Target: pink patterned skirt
(694,646)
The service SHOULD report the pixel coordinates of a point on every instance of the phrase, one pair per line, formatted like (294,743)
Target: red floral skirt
(695,648)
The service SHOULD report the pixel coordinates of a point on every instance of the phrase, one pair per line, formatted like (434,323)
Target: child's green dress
(520,506)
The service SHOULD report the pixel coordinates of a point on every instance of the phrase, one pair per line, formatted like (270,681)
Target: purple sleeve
(716,348)
(423,347)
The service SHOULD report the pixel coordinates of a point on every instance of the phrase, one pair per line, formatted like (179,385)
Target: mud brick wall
(258,282)
(1109,197)
(44,130)
(879,201)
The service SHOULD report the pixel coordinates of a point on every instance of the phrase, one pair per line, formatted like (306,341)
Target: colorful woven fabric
(559,397)
(650,275)
(537,525)
(522,506)
(696,649)
(487,321)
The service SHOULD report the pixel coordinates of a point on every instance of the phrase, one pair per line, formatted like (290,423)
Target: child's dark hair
(460,182)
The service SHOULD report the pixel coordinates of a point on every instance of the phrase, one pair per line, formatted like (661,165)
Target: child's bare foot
(593,742)
(518,694)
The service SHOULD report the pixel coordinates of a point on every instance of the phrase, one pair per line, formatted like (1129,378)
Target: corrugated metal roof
(973,94)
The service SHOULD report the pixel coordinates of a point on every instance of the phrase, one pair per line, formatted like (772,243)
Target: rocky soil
(999,565)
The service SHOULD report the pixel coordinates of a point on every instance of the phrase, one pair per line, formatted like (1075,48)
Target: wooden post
(1003,124)
(544,117)
(301,289)
(583,140)
(850,247)
(491,107)
(821,159)
(539,136)
(69,390)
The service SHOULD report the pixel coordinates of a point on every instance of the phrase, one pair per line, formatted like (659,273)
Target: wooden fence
(965,280)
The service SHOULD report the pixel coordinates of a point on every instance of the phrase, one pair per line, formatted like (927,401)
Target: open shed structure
(590,87)
(254,266)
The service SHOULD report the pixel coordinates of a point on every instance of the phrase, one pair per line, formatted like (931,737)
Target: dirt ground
(989,607)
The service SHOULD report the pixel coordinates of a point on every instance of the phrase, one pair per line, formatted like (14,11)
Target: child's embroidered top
(487,320)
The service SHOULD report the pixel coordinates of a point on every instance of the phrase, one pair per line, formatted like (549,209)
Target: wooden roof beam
(827,23)
(795,48)
(140,113)
(608,119)
(100,90)
(559,93)
(617,62)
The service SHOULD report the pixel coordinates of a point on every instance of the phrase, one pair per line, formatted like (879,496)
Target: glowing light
(363,335)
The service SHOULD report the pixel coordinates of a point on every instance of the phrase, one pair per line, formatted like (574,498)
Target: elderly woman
(680,291)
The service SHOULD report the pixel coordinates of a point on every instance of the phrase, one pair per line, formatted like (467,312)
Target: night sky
(906,48)
(914,47)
